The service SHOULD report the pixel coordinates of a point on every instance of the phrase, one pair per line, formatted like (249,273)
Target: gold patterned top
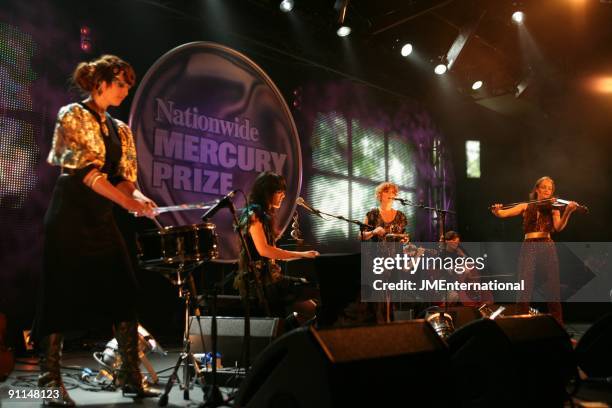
(78,143)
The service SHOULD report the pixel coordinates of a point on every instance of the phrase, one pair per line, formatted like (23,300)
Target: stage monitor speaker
(545,357)
(351,366)
(594,351)
(230,336)
(483,369)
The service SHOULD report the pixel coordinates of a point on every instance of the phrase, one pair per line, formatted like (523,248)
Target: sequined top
(78,143)
(538,219)
(396,226)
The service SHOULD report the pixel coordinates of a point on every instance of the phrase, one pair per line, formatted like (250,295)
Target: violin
(553,201)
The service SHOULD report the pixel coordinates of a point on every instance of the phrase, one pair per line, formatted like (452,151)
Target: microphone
(401,200)
(300,201)
(222,203)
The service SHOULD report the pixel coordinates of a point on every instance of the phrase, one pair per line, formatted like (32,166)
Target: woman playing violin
(539,260)
(385,218)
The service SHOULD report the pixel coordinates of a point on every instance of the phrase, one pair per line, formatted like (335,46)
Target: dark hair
(451,235)
(264,187)
(533,195)
(89,75)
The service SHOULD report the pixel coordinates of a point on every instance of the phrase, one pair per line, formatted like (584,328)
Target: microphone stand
(441,230)
(439,211)
(362,226)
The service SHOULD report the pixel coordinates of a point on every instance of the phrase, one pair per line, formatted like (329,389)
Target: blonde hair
(89,75)
(384,187)
(533,195)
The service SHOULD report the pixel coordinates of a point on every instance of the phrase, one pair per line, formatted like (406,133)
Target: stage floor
(23,378)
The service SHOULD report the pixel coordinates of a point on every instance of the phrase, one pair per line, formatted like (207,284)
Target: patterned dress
(538,263)
(383,311)
(396,226)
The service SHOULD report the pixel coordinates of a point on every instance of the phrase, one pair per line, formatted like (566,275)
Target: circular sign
(207,120)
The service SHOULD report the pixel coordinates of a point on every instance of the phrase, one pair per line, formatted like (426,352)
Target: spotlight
(518,17)
(286,6)
(343,31)
(477,85)
(406,50)
(440,69)
(343,28)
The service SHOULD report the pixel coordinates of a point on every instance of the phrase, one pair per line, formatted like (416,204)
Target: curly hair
(384,187)
(89,75)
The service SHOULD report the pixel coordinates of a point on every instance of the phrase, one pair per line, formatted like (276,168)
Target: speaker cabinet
(351,366)
(230,336)
(594,351)
(545,358)
(484,371)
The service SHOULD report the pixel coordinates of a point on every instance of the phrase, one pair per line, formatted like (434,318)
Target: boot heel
(50,376)
(126,334)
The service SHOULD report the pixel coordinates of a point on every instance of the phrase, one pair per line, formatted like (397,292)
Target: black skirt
(87,277)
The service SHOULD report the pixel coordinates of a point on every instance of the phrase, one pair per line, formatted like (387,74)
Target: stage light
(343,28)
(600,84)
(518,17)
(343,31)
(286,6)
(86,44)
(440,69)
(406,50)
(477,85)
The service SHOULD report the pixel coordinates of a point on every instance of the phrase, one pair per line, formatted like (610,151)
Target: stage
(86,393)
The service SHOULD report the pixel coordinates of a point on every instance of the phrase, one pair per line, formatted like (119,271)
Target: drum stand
(212,395)
(186,357)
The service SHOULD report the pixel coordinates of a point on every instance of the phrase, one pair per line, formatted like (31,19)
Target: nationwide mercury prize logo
(207,120)
(227,155)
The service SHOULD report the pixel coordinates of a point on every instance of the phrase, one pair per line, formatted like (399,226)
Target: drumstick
(159,226)
(184,207)
(180,207)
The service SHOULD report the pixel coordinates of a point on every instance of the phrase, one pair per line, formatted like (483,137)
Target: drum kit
(175,252)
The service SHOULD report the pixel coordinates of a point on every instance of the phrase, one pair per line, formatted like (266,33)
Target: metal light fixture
(440,69)
(343,29)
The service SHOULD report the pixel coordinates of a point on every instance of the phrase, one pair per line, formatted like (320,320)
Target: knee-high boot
(50,375)
(130,376)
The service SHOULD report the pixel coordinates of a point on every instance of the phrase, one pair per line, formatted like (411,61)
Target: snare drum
(170,245)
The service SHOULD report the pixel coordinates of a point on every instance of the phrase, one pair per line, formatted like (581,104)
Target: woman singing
(538,258)
(258,224)
(85,261)
(390,226)
(385,218)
